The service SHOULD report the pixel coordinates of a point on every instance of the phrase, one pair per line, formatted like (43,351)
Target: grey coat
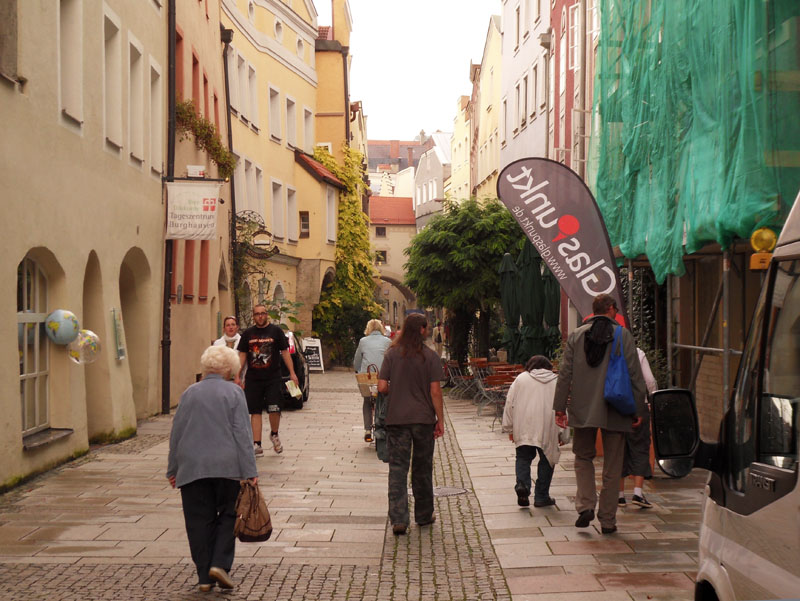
(370,351)
(211,435)
(583,385)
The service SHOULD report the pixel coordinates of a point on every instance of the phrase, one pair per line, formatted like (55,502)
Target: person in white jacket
(529,421)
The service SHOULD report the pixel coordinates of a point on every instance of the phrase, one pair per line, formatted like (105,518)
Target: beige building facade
(487,112)
(84,221)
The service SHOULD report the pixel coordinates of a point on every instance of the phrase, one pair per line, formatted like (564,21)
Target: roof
(317,169)
(325,32)
(393,210)
(442,140)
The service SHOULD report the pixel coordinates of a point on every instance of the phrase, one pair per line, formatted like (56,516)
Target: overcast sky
(411,60)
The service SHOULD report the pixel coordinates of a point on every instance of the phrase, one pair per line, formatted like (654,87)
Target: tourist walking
(581,380)
(528,420)
(261,349)
(370,352)
(210,451)
(410,376)
(438,338)
(230,333)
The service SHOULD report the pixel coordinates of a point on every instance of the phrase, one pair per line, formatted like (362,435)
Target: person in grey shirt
(370,352)
(210,452)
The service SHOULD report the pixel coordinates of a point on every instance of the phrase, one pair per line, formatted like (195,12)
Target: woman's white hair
(372,326)
(220,360)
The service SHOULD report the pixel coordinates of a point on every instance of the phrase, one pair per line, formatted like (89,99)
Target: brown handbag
(253,524)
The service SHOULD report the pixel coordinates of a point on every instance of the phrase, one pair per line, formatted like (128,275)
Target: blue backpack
(618,391)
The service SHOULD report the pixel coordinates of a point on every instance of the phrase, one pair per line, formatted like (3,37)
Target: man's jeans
(525,455)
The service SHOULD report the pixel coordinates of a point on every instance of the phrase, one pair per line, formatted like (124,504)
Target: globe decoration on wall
(61,326)
(85,348)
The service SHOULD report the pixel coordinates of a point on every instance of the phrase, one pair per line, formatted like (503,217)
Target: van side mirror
(675,431)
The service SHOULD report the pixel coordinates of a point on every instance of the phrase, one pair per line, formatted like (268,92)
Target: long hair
(410,338)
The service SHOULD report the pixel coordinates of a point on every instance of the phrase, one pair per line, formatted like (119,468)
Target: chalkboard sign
(313,352)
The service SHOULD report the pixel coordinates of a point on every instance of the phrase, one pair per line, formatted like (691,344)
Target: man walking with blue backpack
(581,402)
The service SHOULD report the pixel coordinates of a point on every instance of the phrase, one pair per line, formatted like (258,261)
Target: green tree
(348,303)
(453,262)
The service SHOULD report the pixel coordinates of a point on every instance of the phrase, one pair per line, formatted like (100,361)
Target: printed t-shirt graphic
(263,347)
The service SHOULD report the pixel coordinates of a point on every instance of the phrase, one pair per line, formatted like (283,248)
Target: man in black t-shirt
(261,348)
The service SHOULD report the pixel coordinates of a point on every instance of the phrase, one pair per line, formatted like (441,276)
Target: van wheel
(704,591)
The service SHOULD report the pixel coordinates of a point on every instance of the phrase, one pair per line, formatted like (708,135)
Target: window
(301,49)
(278,213)
(574,35)
(518,105)
(593,18)
(239,183)
(524,112)
(253,85)
(259,206)
(537,10)
(179,65)
(136,100)
(216,113)
(8,42)
(156,119)
(70,52)
(331,214)
(534,90)
(244,98)
(380,231)
(381,257)
(274,114)
(562,66)
(112,59)
(278,30)
(188,270)
(34,346)
(250,183)
(198,106)
(233,84)
(205,246)
(251,12)
(504,123)
(517,27)
(206,108)
(305,224)
(527,16)
(291,215)
(308,130)
(291,123)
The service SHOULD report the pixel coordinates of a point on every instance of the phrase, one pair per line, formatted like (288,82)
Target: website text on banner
(560,217)
(192,210)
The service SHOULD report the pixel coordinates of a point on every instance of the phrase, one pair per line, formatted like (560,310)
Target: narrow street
(108,526)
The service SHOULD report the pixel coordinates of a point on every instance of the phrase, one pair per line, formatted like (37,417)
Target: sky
(411,60)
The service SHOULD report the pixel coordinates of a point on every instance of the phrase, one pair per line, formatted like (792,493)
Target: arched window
(251,11)
(34,346)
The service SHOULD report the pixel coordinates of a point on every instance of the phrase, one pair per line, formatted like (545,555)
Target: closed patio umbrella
(552,311)
(531,302)
(510,304)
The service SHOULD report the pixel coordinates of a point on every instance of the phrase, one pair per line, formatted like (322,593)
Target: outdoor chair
(463,382)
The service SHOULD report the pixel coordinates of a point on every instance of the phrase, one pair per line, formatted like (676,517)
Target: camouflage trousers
(400,442)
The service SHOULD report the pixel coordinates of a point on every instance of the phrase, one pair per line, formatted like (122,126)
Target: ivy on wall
(347,304)
(206,137)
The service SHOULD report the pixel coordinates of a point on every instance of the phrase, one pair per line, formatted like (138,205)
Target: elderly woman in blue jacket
(210,452)
(370,352)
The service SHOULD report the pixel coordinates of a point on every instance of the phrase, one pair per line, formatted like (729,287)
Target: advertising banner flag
(560,217)
(192,210)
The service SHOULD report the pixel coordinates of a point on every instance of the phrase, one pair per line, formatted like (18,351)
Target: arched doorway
(134,295)
(99,410)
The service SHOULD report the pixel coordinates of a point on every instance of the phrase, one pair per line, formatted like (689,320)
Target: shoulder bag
(618,391)
(253,523)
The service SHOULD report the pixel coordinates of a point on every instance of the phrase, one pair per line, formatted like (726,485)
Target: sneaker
(523,496)
(641,502)
(276,443)
(621,502)
(257,449)
(367,436)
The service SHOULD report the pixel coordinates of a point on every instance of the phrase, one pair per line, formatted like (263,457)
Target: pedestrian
(370,352)
(581,379)
(438,338)
(637,446)
(210,451)
(261,348)
(528,419)
(410,376)
(230,333)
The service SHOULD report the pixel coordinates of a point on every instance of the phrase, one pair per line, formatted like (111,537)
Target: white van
(750,533)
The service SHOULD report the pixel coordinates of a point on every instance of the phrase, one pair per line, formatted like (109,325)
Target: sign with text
(312,349)
(192,210)
(560,217)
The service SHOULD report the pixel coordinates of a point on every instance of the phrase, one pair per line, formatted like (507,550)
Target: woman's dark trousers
(400,440)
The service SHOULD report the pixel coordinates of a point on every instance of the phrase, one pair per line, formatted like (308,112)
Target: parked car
(750,532)
(296,350)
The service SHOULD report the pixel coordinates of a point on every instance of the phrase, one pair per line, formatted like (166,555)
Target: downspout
(227,38)
(168,249)
(582,98)
(345,50)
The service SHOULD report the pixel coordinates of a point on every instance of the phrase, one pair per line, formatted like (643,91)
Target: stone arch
(134,296)
(99,413)
(328,278)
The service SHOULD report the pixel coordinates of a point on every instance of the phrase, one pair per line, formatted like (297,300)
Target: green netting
(697,109)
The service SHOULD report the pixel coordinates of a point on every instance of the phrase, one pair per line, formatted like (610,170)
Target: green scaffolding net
(697,123)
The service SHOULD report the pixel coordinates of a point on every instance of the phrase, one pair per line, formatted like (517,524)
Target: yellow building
(275,84)
(488,113)
(84,97)
(459,186)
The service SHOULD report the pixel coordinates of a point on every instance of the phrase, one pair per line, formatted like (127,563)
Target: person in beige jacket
(579,403)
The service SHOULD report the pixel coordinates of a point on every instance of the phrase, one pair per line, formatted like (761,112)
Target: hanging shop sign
(192,210)
(560,217)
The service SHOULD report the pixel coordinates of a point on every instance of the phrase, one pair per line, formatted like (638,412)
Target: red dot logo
(568,225)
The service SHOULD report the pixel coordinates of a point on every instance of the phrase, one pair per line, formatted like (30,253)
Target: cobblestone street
(108,526)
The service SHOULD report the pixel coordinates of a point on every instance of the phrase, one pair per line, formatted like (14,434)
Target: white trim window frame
(292,215)
(308,130)
(274,113)
(70,61)
(278,200)
(331,216)
(136,65)
(574,37)
(252,83)
(291,122)
(156,112)
(233,80)
(112,80)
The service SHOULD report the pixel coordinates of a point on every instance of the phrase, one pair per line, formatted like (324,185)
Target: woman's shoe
(204,588)
(221,576)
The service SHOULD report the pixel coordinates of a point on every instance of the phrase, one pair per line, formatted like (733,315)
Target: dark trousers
(400,441)
(209,510)
(526,454)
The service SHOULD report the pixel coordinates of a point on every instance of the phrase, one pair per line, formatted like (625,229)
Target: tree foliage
(453,263)
(348,303)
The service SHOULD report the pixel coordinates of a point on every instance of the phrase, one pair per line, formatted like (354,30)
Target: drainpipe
(168,250)
(345,50)
(546,42)
(582,99)
(227,37)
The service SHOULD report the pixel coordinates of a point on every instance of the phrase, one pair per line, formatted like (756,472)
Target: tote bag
(617,391)
(253,522)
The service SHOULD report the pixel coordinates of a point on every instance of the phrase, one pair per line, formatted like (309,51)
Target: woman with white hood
(529,420)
